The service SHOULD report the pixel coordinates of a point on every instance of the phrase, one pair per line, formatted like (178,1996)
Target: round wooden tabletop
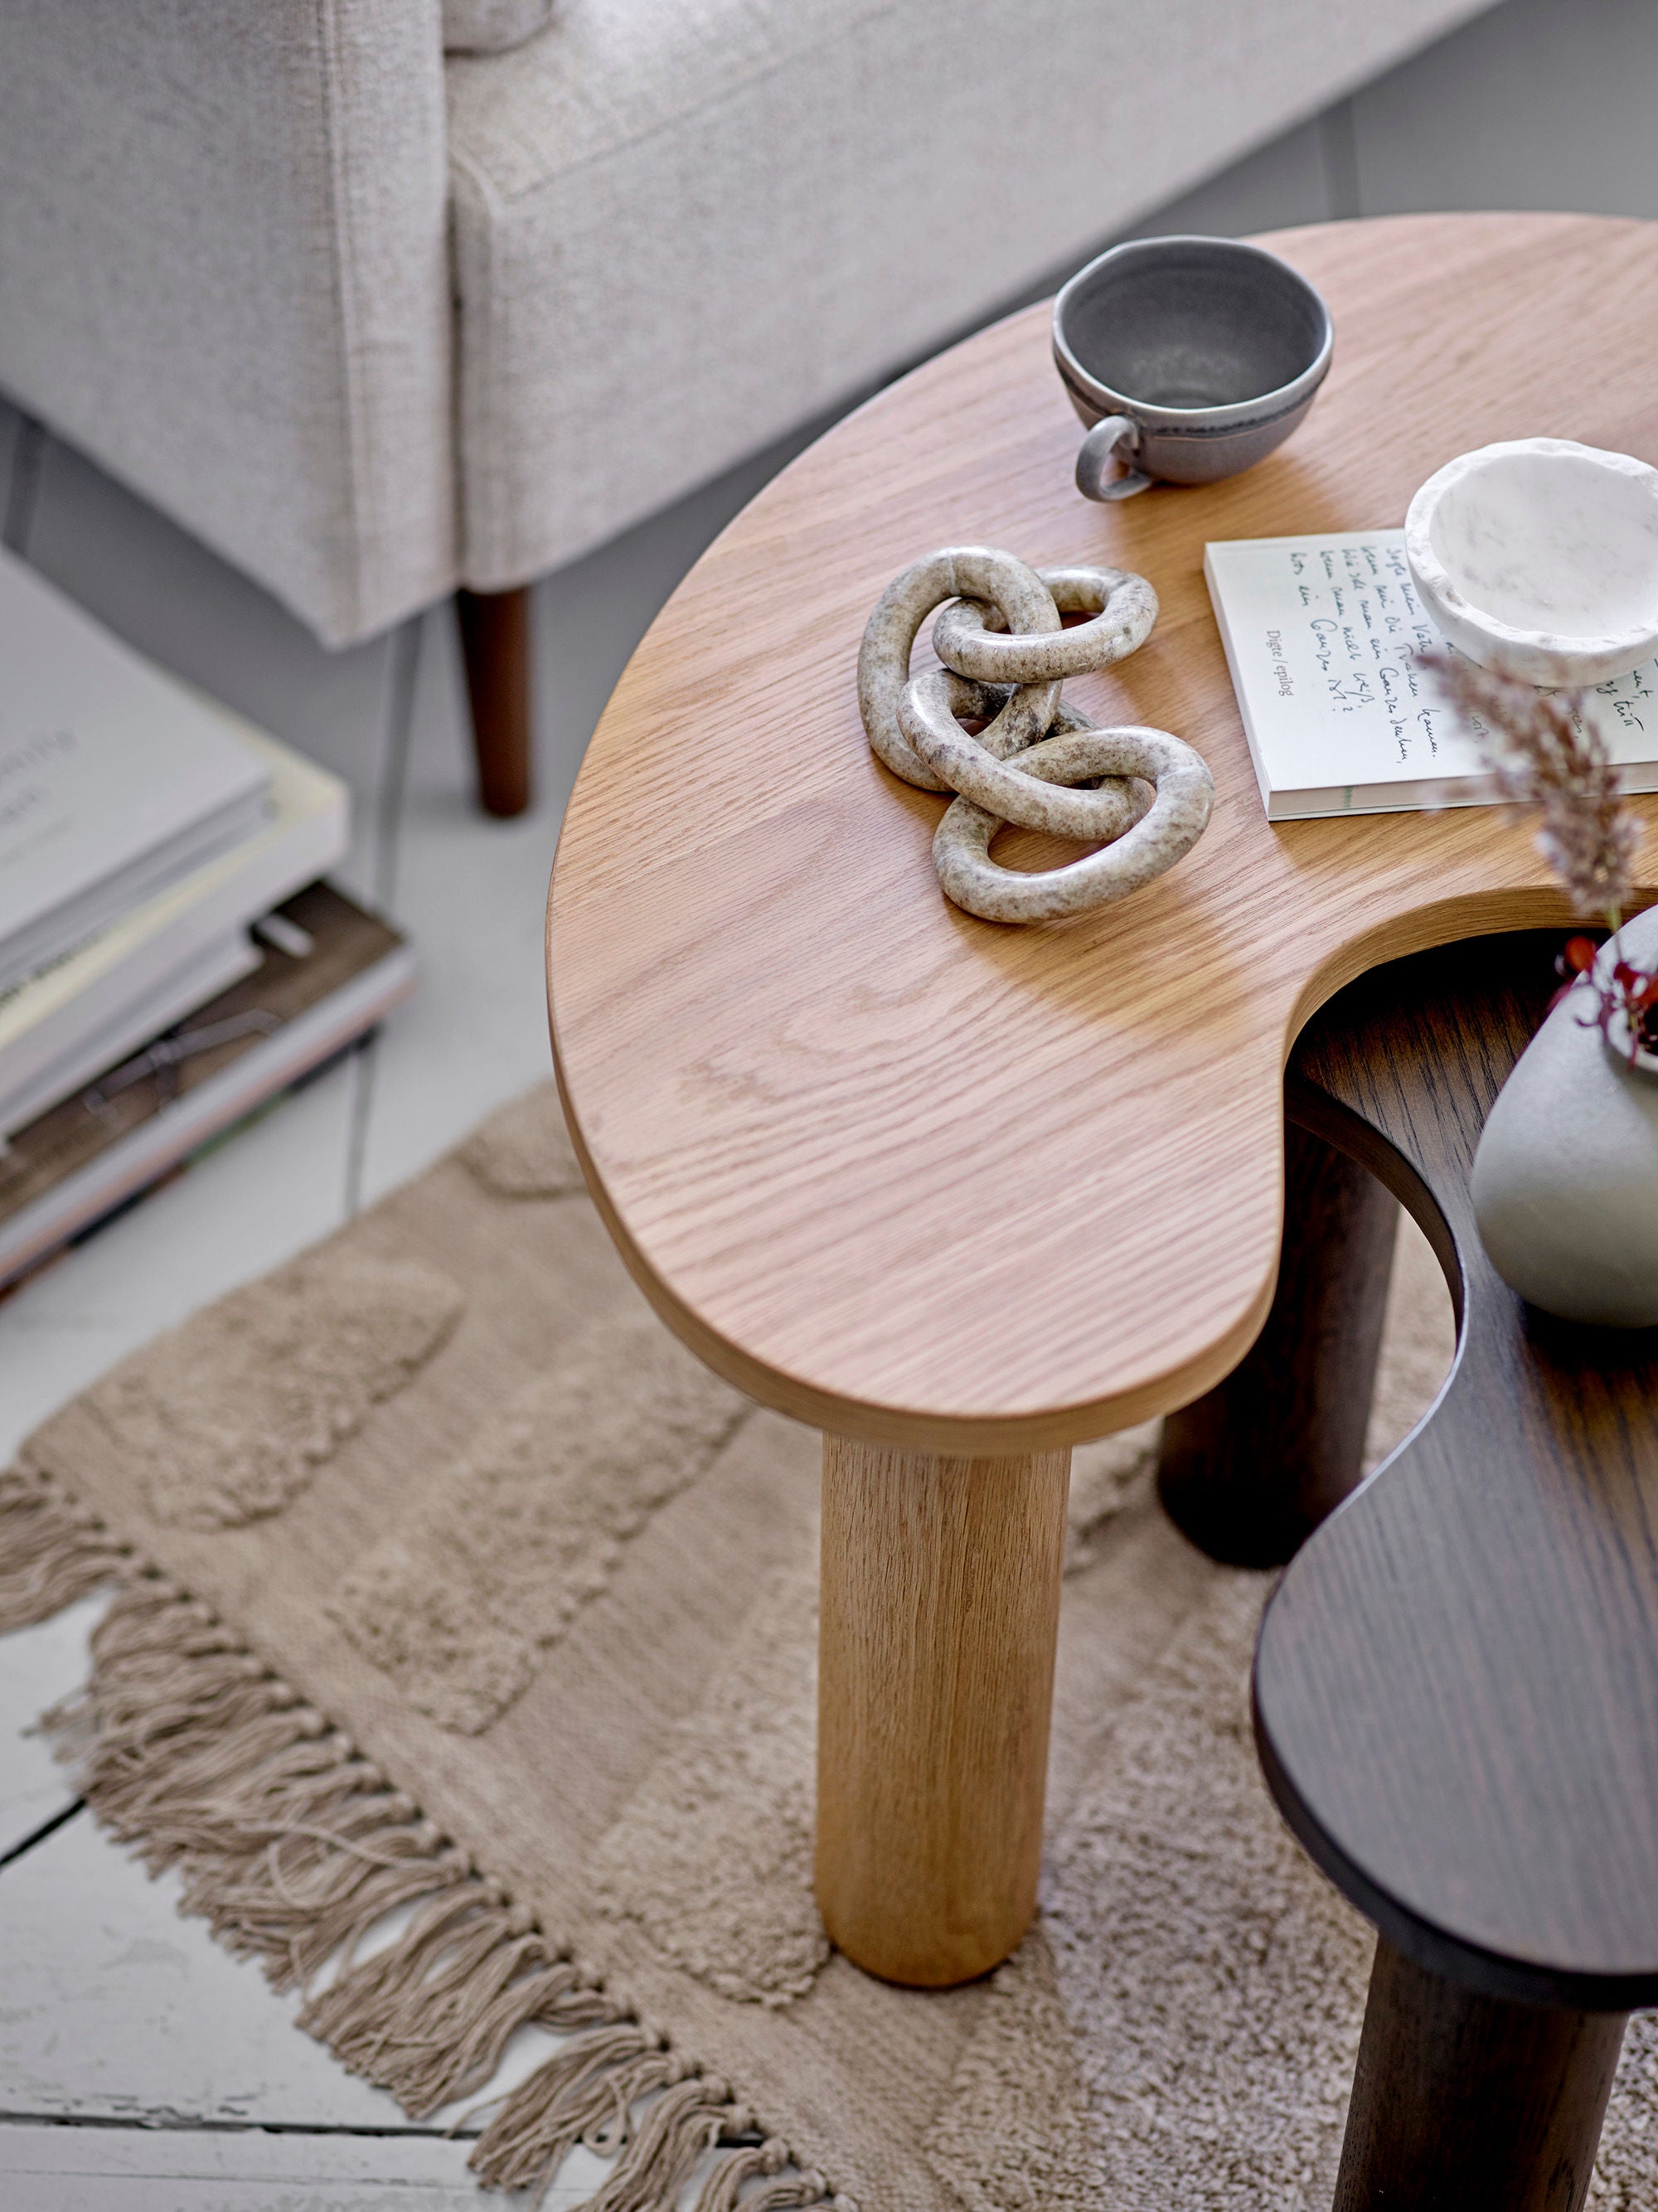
(918,1178)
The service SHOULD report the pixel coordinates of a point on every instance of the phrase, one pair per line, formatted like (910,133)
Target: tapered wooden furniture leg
(1464,2103)
(495,642)
(940,1606)
(1249,1470)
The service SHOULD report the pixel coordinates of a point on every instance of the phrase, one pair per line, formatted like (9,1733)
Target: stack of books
(170,958)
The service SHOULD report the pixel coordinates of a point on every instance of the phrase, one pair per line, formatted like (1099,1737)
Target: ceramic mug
(1189,358)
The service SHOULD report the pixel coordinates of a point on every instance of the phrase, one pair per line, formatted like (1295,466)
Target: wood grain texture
(1456,1683)
(38,1666)
(940,1611)
(1249,1470)
(914,1177)
(162,2169)
(1462,2103)
(119,2007)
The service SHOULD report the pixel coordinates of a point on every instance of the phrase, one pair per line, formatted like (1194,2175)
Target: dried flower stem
(1543,750)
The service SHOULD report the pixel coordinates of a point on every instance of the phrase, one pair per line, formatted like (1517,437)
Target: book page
(1323,636)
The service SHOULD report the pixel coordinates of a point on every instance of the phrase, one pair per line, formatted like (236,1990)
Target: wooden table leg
(495,646)
(940,1607)
(1471,2103)
(1249,1470)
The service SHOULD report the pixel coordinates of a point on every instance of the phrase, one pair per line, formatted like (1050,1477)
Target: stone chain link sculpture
(1006,655)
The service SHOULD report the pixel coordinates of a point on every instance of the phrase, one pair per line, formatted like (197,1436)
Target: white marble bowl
(1540,557)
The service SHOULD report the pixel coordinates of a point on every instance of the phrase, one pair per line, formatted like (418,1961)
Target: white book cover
(50,1022)
(114,779)
(1322,636)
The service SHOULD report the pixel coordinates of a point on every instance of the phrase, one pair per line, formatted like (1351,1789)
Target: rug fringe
(792,2191)
(51,1552)
(679,2126)
(580,2095)
(734,2169)
(429,2015)
(293,1847)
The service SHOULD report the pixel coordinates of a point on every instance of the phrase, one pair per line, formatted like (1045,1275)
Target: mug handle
(1094,457)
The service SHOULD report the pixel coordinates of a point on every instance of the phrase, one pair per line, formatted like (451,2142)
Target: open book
(1321,637)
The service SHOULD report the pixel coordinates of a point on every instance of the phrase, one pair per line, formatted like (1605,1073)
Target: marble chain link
(1006,654)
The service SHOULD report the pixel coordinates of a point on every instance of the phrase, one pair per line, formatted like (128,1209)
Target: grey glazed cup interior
(1189,358)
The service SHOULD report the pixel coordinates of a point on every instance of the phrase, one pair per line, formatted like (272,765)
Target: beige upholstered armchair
(387,300)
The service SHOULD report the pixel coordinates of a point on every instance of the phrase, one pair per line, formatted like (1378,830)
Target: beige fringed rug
(447,1579)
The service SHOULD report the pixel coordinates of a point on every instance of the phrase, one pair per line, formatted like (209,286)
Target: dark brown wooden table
(1456,1682)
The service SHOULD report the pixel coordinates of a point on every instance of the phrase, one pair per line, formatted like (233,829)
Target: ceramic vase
(1565,1180)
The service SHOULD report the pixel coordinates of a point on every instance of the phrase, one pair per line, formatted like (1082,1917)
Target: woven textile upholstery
(489,27)
(679,227)
(683,226)
(224,273)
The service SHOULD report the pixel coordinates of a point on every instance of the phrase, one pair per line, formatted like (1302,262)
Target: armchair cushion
(683,226)
(224,274)
(489,27)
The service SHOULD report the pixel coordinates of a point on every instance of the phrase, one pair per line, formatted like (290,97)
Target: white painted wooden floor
(140,2067)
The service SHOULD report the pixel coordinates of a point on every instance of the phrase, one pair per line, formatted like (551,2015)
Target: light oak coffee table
(962,1195)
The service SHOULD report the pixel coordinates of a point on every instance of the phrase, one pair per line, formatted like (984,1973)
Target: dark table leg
(495,645)
(1472,2104)
(1249,1471)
